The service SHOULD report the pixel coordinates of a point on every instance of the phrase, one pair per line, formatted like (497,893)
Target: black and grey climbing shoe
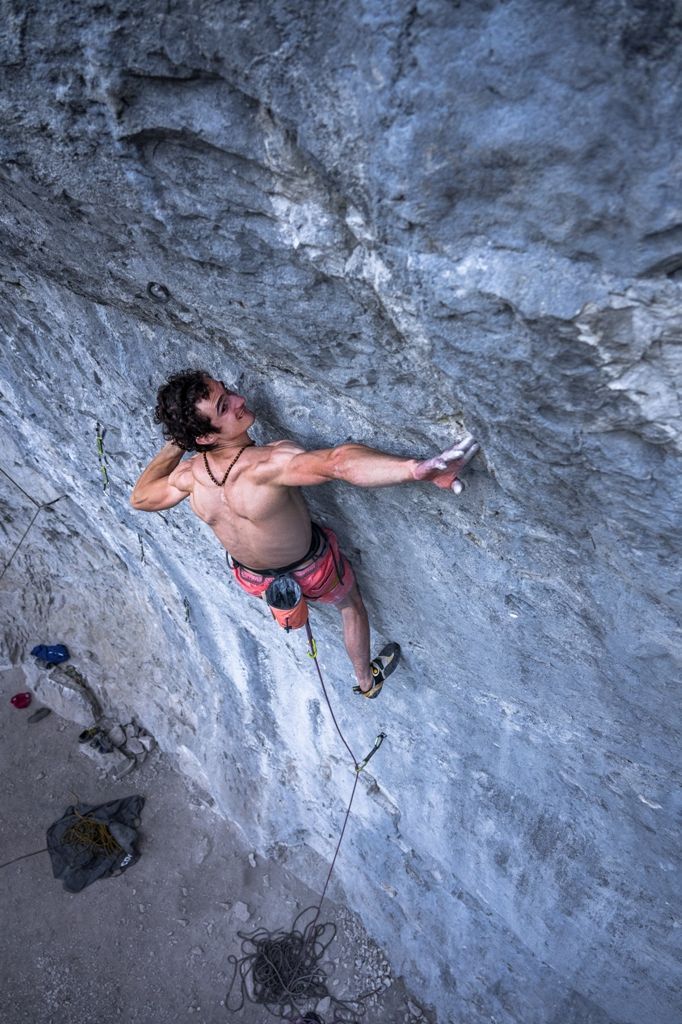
(101,743)
(381,667)
(97,739)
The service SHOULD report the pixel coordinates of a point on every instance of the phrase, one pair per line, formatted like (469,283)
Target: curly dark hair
(176,409)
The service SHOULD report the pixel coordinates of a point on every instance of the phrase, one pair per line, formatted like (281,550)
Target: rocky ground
(152,945)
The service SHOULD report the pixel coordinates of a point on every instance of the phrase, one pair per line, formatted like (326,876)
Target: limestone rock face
(382,221)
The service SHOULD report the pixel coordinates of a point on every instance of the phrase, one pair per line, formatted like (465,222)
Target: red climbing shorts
(328,578)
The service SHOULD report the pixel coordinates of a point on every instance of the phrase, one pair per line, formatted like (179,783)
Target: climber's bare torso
(259,523)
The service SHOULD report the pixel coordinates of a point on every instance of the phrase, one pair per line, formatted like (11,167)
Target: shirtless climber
(249,495)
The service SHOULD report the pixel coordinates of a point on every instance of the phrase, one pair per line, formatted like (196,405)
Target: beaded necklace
(219,483)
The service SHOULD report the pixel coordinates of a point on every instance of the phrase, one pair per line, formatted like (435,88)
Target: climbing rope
(283,971)
(92,835)
(39,509)
(312,653)
(23,857)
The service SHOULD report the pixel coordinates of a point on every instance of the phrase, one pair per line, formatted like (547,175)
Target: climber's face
(227,411)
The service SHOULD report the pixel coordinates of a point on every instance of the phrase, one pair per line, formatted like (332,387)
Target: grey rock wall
(383,221)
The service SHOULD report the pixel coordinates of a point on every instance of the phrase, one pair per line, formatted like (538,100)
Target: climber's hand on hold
(443,469)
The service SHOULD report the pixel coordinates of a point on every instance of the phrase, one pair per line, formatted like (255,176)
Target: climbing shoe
(97,739)
(381,667)
(38,715)
(89,734)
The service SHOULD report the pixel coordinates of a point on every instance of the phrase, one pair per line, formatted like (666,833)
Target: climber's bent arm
(163,483)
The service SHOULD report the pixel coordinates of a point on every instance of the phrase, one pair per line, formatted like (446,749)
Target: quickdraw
(377,743)
(102,456)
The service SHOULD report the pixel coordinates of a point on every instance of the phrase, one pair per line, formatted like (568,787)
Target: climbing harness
(284,596)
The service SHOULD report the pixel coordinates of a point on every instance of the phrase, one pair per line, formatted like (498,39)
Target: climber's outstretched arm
(164,483)
(361,466)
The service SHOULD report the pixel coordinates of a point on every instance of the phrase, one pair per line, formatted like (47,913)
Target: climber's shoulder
(282,449)
(270,460)
(183,476)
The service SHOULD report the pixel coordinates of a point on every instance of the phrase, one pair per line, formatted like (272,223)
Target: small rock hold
(117,735)
(140,907)
(158,292)
(252,860)
(112,761)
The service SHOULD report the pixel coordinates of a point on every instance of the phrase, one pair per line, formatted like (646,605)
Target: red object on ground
(21,700)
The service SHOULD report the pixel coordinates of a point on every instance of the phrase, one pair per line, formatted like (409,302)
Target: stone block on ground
(117,735)
(147,741)
(241,911)
(114,761)
(59,692)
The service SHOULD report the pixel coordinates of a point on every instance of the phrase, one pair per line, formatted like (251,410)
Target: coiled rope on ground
(284,972)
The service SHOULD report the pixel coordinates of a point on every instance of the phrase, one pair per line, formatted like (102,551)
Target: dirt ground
(150,946)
